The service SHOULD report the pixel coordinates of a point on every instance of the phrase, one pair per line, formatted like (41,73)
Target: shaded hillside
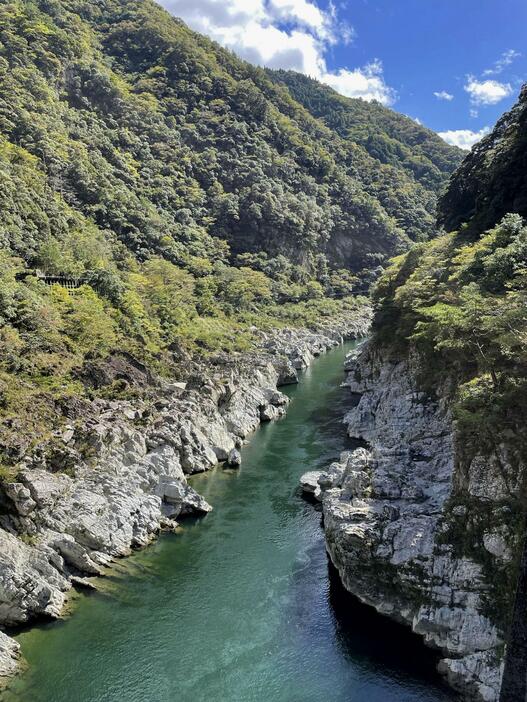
(492,180)
(392,139)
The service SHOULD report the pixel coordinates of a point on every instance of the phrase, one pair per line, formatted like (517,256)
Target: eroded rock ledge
(118,470)
(391,512)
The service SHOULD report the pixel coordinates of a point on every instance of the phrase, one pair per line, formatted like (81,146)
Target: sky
(453,65)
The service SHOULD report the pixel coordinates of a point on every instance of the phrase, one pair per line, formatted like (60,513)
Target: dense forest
(187,190)
(171,143)
(410,163)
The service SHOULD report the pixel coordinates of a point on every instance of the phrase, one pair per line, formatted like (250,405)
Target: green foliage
(407,163)
(179,147)
(463,306)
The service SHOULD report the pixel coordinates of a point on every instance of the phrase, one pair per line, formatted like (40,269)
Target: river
(240,606)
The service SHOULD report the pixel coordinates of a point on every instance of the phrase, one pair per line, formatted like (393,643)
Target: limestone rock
(389,525)
(31,582)
(21,498)
(497,543)
(309,483)
(181,499)
(269,412)
(74,554)
(9,656)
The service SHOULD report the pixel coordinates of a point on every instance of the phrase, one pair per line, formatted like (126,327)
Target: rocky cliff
(492,180)
(397,513)
(392,512)
(426,521)
(123,471)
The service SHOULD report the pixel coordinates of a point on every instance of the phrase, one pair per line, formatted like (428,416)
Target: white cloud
(487,92)
(464,138)
(303,12)
(443,95)
(366,82)
(290,34)
(501,64)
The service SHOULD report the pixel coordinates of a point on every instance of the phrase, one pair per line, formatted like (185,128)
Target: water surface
(241,605)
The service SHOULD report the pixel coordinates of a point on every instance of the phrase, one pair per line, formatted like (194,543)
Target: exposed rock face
(235,458)
(309,483)
(127,476)
(392,512)
(9,656)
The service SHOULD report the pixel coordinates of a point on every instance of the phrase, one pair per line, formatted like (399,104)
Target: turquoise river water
(240,606)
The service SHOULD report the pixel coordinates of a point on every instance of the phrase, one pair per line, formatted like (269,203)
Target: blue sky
(454,65)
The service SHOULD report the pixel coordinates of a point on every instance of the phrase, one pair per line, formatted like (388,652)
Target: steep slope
(492,180)
(166,139)
(427,523)
(421,161)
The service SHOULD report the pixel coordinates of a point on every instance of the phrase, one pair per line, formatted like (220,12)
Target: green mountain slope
(163,138)
(193,197)
(400,149)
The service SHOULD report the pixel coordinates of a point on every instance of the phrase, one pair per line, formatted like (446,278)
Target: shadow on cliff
(367,637)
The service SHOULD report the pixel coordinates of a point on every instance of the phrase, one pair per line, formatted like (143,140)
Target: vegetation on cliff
(462,304)
(460,301)
(492,181)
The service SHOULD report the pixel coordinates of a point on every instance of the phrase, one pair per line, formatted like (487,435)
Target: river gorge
(239,605)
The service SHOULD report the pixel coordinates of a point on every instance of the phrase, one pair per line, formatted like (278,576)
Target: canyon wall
(400,511)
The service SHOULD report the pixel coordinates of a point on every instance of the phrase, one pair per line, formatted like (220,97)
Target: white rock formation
(390,521)
(130,480)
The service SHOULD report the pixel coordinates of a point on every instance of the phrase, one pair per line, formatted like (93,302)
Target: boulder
(21,498)
(268,413)
(234,459)
(181,499)
(309,483)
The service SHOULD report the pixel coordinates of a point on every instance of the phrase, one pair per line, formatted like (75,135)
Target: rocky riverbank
(397,513)
(116,473)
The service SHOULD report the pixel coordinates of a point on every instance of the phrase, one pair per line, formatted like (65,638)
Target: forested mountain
(192,196)
(403,151)
(171,143)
